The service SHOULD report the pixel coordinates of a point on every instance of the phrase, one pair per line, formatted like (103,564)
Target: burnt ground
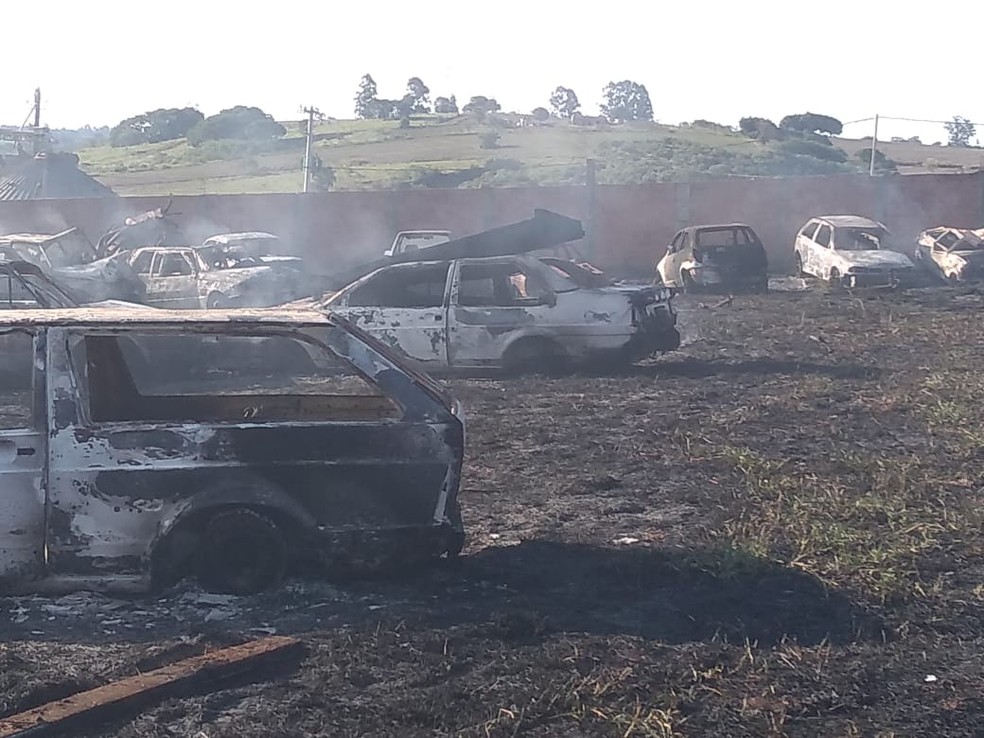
(774,531)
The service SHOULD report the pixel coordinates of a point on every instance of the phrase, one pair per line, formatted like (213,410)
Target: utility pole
(874,143)
(311,113)
(37,107)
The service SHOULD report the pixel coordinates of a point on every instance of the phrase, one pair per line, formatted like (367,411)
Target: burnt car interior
(950,241)
(857,239)
(221,379)
(723,237)
(500,285)
(403,286)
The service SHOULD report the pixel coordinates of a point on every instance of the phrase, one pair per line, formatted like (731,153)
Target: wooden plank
(211,667)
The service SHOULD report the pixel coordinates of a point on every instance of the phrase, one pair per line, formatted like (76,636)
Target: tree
(322,176)
(239,122)
(418,93)
(164,124)
(365,97)
(959,131)
(541,114)
(812,123)
(446,105)
(564,102)
(761,128)
(625,101)
(480,106)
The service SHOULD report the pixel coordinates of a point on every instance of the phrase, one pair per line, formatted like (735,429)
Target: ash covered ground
(774,531)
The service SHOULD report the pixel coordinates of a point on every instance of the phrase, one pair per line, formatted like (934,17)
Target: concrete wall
(631,224)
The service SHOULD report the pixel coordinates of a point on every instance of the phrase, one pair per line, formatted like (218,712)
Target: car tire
(216,300)
(534,356)
(687,284)
(834,279)
(240,552)
(800,272)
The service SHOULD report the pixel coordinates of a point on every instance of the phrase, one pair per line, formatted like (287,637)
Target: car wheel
(687,284)
(834,279)
(216,300)
(534,355)
(240,552)
(800,272)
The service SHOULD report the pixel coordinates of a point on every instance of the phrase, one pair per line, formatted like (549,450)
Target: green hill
(460,151)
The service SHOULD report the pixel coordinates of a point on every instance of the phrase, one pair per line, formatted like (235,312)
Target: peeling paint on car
(131,482)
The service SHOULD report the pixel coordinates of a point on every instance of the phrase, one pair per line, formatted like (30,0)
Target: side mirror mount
(549,299)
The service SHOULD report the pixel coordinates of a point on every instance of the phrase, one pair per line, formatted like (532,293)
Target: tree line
(623,101)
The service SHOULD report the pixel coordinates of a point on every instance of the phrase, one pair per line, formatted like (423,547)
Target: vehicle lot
(774,530)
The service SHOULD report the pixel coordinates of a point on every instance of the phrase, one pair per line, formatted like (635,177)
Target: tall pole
(874,143)
(307,147)
(37,107)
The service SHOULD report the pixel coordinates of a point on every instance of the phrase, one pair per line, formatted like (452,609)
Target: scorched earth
(774,531)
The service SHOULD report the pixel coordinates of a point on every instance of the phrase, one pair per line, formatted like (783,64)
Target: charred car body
(217,276)
(71,260)
(122,471)
(851,251)
(952,254)
(509,312)
(728,256)
(484,301)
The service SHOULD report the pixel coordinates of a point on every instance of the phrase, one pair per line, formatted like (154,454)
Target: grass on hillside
(442,151)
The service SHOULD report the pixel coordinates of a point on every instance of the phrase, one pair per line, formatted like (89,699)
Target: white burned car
(952,254)
(851,251)
(512,312)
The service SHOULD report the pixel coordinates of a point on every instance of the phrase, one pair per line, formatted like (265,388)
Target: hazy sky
(103,60)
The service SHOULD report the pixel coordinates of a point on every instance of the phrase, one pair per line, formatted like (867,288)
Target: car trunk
(738,258)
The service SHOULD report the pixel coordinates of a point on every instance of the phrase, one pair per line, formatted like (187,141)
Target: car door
(405,306)
(22,457)
(821,251)
(173,281)
(492,299)
(669,266)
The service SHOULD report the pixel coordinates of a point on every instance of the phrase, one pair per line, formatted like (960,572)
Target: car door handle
(438,318)
(26,451)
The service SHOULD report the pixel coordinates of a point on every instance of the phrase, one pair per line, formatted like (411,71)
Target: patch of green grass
(859,520)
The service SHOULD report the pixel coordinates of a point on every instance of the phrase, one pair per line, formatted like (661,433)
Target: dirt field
(774,531)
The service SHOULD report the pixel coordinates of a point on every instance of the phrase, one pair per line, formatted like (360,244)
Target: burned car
(127,472)
(70,259)
(727,257)
(851,251)
(952,254)
(216,276)
(257,245)
(510,312)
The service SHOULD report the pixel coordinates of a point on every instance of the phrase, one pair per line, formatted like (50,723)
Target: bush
(882,162)
(812,148)
(240,122)
(488,140)
(164,124)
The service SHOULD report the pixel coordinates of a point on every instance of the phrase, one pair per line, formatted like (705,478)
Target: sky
(100,61)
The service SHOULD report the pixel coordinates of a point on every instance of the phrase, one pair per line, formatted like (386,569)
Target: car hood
(975,255)
(874,258)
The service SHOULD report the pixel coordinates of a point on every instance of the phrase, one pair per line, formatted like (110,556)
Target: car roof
(712,226)
(110,317)
(226,238)
(850,221)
